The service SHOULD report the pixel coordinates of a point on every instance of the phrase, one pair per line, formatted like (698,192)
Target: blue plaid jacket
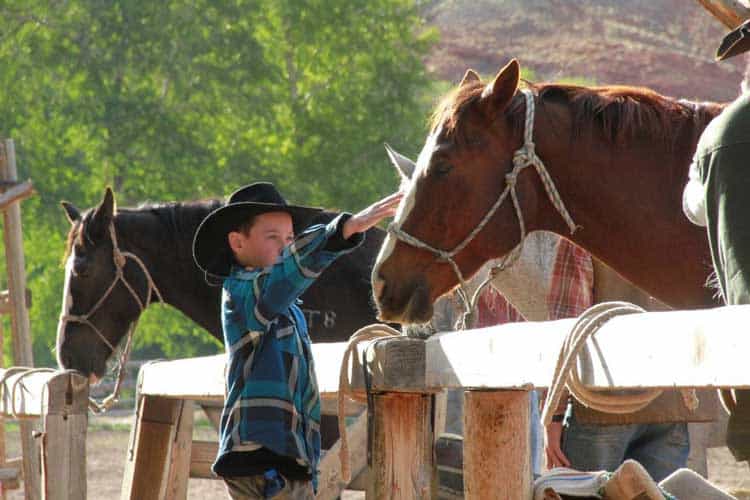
(272,396)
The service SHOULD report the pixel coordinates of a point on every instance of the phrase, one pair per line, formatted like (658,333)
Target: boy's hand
(371,215)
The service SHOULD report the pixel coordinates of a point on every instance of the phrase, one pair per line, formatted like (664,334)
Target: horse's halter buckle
(119,259)
(523,157)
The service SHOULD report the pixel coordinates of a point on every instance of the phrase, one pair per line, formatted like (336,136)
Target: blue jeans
(660,448)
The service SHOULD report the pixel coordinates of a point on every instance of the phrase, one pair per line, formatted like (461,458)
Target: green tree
(183,100)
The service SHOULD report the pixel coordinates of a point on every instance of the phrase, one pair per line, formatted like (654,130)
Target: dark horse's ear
(102,215)
(499,93)
(71,212)
(470,76)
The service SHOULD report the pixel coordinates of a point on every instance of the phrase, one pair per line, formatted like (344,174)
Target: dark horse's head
(454,175)
(89,327)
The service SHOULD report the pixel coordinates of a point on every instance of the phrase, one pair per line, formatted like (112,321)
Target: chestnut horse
(607,168)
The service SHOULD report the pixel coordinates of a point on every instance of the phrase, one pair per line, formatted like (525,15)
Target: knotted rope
(523,157)
(364,334)
(566,370)
(120,260)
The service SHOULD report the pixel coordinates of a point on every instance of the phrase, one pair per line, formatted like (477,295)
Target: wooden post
(497,460)
(3,458)
(330,485)
(178,473)
(65,416)
(21,331)
(402,459)
(150,452)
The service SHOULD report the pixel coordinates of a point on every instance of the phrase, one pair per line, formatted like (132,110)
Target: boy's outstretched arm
(365,219)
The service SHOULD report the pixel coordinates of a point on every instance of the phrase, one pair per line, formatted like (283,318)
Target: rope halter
(120,259)
(524,157)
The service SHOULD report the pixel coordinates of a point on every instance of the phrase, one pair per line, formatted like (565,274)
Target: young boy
(269,434)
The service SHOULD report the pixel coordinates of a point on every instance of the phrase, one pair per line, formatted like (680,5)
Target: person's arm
(315,249)
(553,437)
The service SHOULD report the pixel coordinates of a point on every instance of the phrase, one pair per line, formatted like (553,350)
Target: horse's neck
(172,269)
(629,215)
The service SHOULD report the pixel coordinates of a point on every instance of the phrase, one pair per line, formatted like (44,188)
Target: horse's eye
(442,168)
(80,263)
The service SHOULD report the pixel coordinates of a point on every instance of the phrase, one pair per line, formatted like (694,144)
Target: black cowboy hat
(736,42)
(211,250)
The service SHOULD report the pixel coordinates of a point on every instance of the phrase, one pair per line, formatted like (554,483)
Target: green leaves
(185,100)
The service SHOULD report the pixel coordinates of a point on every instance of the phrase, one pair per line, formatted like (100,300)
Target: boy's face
(263,243)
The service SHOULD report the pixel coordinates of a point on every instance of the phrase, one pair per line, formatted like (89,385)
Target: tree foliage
(185,100)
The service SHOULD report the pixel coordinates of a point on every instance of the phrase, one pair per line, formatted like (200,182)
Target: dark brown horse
(156,241)
(606,169)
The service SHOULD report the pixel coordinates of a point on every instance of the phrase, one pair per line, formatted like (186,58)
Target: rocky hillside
(667,45)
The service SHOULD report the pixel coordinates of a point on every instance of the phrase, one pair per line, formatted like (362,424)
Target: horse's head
(97,308)
(458,178)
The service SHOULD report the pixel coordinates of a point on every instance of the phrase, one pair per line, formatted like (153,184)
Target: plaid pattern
(571,288)
(272,393)
(494,309)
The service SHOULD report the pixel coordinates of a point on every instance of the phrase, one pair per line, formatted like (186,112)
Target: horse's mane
(180,219)
(618,113)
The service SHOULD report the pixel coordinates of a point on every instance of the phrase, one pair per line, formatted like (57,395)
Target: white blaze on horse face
(409,186)
(67,300)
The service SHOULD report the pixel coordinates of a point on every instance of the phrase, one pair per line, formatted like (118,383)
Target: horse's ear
(404,165)
(503,87)
(103,214)
(470,76)
(71,212)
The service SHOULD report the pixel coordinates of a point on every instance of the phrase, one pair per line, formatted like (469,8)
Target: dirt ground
(108,442)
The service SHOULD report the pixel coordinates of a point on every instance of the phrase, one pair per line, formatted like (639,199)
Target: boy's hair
(246,226)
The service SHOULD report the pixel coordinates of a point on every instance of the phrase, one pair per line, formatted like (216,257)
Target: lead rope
(566,370)
(524,157)
(120,260)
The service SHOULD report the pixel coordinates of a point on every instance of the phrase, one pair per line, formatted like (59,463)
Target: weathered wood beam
(731,13)
(20,327)
(202,379)
(403,464)
(670,349)
(23,392)
(65,415)
(150,459)
(330,485)
(20,191)
(497,451)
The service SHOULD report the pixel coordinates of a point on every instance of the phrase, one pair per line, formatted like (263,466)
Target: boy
(269,433)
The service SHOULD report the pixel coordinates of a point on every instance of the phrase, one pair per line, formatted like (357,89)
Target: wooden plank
(672,349)
(202,456)
(402,465)
(148,456)
(202,378)
(496,457)
(10,478)
(330,485)
(21,331)
(20,191)
(397,364)
(731,13)
(22,392)
(65,415)
(179,462)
